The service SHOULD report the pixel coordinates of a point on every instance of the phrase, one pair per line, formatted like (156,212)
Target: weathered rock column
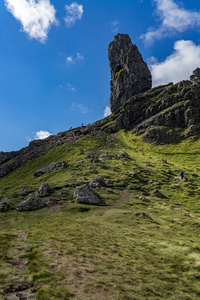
(129,73)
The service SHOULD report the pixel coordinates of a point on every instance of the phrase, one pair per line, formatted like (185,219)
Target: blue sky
(54,70)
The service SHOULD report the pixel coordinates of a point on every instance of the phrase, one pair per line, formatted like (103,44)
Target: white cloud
(74,13)
(83,109)
(107,112)
(40,135)
(178,66)
(114,26)
(71,87)
(78,57)
(36,17)
(173,19)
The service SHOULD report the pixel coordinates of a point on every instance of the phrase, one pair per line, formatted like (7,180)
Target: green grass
(127,249)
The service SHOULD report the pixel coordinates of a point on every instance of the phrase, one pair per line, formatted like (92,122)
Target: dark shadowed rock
(4,206)
(32,203)
(129,73)
(84,194)
(51,167)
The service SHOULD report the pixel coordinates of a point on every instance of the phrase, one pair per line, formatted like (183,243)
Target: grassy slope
(128,249)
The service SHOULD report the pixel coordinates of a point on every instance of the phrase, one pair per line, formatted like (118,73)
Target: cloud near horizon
(178,66)
(36,17)
(173,19)
(107,112)
(74,12)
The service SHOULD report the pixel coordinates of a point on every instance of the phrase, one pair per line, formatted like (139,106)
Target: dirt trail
(20,287)
(125,197)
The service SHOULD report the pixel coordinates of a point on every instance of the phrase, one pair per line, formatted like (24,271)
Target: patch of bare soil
(125,197)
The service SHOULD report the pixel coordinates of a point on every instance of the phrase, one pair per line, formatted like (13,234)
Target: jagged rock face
(195,78)
(129,73)
(31,204)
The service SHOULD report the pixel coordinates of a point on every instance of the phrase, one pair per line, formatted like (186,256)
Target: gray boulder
(44,188)
(98,181)
(195,78)
(51,167)
(32,203)
(129,73)
(84,194)
(143,198)
(4,206)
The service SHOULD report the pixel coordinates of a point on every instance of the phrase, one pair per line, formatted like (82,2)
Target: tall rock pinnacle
(129,73)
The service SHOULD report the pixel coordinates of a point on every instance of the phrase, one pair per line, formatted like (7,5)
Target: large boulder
(129,73)
(195,77)
(51,167)
(84,194)
(32,203)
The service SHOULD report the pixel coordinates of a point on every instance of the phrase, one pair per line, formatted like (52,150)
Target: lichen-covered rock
(44,188)
(32,203)
(84,194)
(4,206)
(98,181)
(51,167)
(129,73)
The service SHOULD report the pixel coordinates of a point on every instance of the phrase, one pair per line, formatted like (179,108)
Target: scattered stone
(123,155)
(79,163)
(44,188)
(97,182)
(129,73)
(4,199)
(158,194)
(143,215)
(163,160)
(4,206)
(109,183)
(133,175)
(32,203)
(89,168)
(103,167)
(149,165)
(103,156)
(84,194)
(95,172)
(81,152)
(143,198)
(51,167)
(24,190)
(110,191)
(83,178)
(132,187)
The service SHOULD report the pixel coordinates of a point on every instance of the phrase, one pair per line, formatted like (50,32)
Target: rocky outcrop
(84,194)
(98,181)
(32,203)
(51,167)
(195,77)
(129,73)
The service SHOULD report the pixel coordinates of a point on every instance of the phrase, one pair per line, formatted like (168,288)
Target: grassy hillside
(130,248)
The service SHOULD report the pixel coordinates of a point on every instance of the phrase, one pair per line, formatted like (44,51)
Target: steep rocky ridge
(163,114)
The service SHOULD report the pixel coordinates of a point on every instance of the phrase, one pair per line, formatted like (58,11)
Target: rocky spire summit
(129,73)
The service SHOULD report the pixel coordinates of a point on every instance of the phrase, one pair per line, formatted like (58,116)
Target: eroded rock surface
(129,73)
(51,167)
